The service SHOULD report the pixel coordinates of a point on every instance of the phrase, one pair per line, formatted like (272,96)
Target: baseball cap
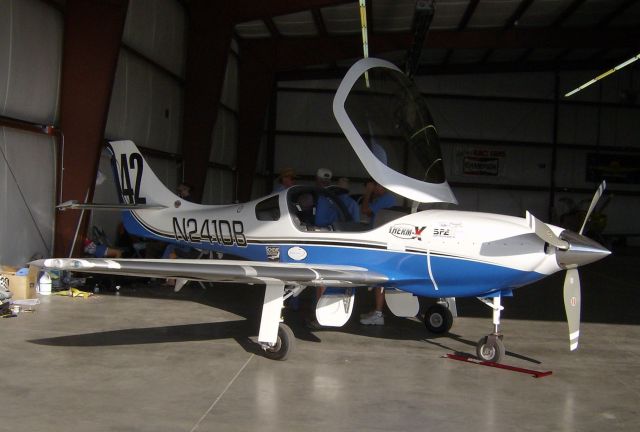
(324,174)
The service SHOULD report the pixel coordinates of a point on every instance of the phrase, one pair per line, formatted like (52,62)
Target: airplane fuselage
(432,253)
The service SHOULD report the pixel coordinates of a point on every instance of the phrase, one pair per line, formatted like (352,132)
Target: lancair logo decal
(406,231)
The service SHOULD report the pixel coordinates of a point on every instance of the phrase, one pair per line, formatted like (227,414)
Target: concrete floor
(151,360)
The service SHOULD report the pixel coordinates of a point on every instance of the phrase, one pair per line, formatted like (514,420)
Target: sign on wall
(482,162)
(614,168)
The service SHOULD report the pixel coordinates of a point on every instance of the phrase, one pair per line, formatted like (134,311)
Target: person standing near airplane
(375,198)
(286,179)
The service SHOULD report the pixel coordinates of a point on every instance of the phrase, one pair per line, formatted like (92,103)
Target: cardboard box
(21,287)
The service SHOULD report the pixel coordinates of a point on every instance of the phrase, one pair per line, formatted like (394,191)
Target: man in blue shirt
(375,198)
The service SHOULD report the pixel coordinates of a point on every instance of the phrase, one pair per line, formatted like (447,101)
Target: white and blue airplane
(428,251)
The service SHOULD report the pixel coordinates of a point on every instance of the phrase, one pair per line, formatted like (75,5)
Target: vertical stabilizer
(136,182)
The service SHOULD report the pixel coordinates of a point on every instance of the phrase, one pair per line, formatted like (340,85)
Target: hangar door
(27,185)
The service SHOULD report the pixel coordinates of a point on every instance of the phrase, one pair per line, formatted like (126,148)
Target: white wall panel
(31,52)
(146,106)
(139,87)
(167,171)
(165,113)
(578,124)
(620,127)
(532,85)
(27,190)
(312,112)
(310,84)
(225,139)
(6,35)
(218,188)
(156,29)
(229,96)
(116,118)
(493,120)
(307,154)
(509,202)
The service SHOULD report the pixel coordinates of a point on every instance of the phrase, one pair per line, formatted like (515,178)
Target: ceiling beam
(466,17)
(457,69)
(513,19)
(319,21)
(567,12)
(615,13)
(273,29)
(293,53)
(250,10)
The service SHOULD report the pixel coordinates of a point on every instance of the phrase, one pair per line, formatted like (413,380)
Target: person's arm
(366,199)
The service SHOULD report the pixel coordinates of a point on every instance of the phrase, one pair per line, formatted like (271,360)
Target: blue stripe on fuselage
(455,277)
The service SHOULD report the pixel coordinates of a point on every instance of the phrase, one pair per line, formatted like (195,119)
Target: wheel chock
(469,359)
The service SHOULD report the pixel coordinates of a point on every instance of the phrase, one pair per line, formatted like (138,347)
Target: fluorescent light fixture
(365,38)
(607,73)
(363,22)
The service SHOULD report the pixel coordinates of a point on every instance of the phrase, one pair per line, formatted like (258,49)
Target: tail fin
(136,182)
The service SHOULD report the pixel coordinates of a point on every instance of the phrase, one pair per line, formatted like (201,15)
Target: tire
(491,349)
(438,319)
(284,345)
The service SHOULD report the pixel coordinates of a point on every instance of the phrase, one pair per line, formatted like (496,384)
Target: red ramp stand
(468,359)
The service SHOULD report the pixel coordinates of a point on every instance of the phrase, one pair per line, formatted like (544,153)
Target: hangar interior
(494,74)
(224,95)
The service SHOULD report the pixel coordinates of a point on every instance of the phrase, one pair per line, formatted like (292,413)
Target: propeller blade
(594,201)
(543,231)
(572,305)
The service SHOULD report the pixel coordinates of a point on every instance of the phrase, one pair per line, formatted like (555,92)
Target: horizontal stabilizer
(75,205)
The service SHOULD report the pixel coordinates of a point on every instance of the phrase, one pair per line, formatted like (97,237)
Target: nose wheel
(491,348)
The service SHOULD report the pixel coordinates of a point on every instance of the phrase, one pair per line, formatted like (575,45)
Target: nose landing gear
(490,347)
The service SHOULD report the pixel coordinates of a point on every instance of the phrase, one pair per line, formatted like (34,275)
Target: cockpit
(314,208)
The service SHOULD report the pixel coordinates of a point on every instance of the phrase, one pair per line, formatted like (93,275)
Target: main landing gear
(275,337)
(490,347)
(438,319)
(283,346)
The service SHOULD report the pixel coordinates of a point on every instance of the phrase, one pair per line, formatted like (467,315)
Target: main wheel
(284,345)
(490,348)
(438,319)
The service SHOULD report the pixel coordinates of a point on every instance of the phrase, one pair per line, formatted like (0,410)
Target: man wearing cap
(326,212)
(286,179)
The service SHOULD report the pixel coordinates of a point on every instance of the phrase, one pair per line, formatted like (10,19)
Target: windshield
(388,125)
(393,119)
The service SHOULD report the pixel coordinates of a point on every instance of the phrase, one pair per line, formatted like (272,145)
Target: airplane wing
(221,270)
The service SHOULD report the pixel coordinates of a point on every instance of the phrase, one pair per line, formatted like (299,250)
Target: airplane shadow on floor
(247,302)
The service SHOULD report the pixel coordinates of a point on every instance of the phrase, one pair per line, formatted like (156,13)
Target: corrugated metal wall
(30,59)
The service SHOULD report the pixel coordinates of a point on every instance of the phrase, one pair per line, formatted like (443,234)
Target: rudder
(135,181)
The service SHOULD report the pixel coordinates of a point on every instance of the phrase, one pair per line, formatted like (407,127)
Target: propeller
(573,250)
